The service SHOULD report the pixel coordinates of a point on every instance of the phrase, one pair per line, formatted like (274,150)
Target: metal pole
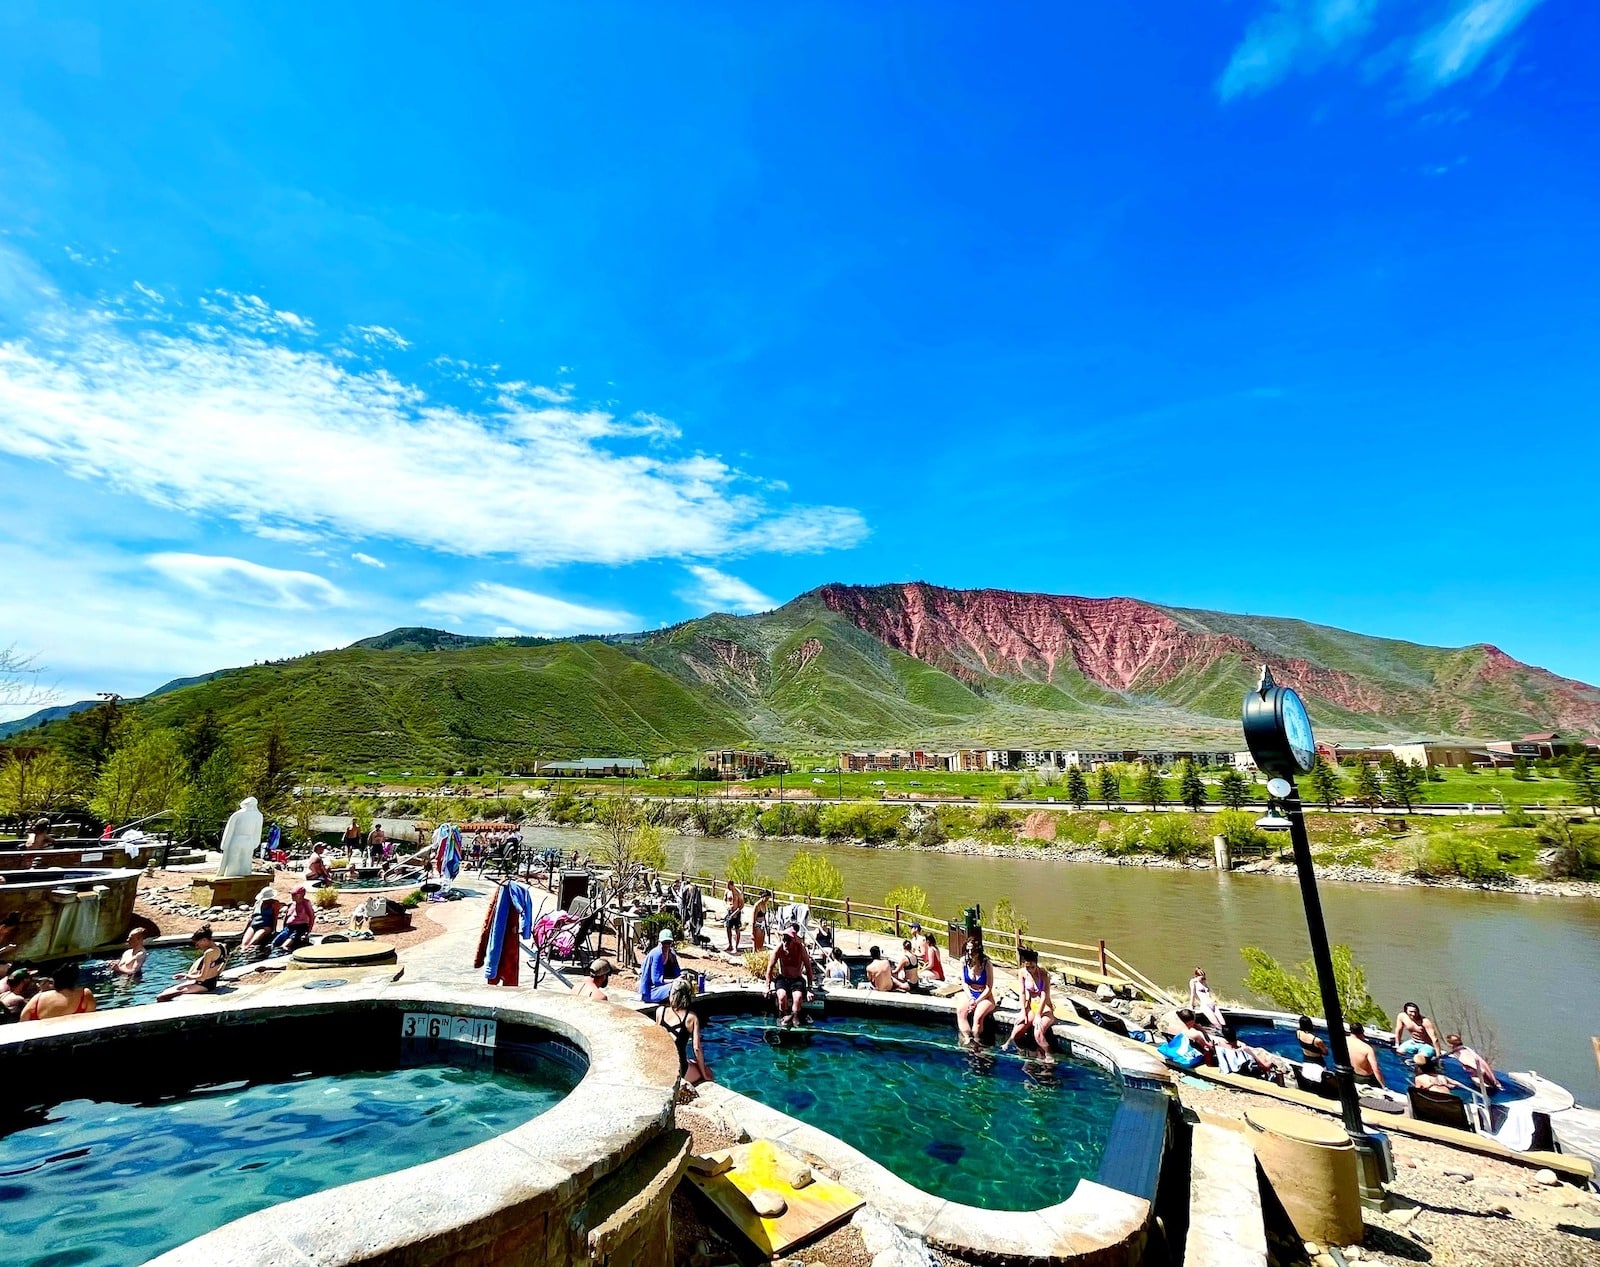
(1368,1167)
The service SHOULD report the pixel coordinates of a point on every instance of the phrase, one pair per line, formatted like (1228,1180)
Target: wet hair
(837,954)
(1230,1035)
(1305,1024)
(930,938)
(64,976)
(1358,1029)
(876,953)
(905,945)
(1425,1064)
(1186,1016)
(1028,955)
(1409,1006)
(203,933)
(682,993)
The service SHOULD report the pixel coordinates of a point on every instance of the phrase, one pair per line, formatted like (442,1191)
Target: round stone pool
(985,1129)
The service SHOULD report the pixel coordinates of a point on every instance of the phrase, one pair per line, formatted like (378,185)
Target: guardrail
(1094,962)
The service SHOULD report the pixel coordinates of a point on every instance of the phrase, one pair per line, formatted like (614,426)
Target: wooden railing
(1094,962)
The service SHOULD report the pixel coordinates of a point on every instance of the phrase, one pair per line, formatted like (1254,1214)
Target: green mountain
(859,665)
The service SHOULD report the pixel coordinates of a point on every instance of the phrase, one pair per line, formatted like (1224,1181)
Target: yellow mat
(812,1210)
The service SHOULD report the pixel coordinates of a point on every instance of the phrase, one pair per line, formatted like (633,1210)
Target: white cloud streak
(229,421)
(508,609)
(381,336)
(367,559)
(1453,49)
(231,580)
(718,591)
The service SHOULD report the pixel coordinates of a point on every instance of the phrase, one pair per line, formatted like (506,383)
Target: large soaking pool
(110,1164)
(983,1129)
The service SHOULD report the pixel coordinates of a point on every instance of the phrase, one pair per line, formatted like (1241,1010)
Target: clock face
(1297,730)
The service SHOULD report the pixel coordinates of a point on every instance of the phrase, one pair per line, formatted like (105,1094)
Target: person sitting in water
(63,996)
(40,837)
(263,925)
(838,967)
(677,1017)
(907,966)
(1038,1011)
(789,975)
(733,919)
(930,961)
(880,974)
(298,924)
(317,870)
(594,987)
(660,970)
(1311,1045)
(1475,1065)
(20,986)
(1426,1076)
(1199,1037)
(131,965)
(1415,1034)
(1201,1001)
(1363,1060)
(202,976)
(977,1004)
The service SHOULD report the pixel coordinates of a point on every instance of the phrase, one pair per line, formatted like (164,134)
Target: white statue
(240,839)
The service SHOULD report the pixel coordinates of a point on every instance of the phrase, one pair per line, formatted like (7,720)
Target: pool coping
(457,1206)
(1098,1222)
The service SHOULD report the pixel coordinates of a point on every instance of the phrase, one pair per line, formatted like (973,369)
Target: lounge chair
(1306,1079)
(1439,1107)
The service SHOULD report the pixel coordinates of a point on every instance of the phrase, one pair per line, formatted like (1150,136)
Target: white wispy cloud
(371,562)
(718,591)
(155,296)
(1453,49)
(1302,36)
(242,419)
(550,394)
(231,580)
(381,336)
(510,610)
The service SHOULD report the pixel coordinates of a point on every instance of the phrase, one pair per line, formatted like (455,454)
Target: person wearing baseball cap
(660,970)
(297,928)
(600,971)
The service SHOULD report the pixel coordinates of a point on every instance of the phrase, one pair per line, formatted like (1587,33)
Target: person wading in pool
(63,997)
(789,975)
(977,1005)
(203,974)
(1038,1012)
(677,1017)
(131,964)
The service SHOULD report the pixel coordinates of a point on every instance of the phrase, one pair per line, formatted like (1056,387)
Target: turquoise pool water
(985,1130)
(111,991)
(107,1184)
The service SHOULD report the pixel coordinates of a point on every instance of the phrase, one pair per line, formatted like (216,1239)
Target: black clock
(1277,729)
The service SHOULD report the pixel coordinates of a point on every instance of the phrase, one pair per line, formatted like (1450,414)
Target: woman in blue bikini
(977,975)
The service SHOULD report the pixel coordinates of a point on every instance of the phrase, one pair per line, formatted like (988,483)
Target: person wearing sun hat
(297,928)
(263,919)
(660,970)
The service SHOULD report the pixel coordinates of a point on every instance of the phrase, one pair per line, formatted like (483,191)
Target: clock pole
(1273,744)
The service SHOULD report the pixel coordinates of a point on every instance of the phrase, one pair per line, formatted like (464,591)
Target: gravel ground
(1497,1217)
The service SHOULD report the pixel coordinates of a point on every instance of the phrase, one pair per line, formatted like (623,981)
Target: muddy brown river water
(1529,965)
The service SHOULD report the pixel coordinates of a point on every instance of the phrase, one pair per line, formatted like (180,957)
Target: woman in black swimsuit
(677,1017)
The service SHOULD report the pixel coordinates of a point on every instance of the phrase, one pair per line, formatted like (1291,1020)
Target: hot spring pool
(984,1130)
(162,964)
(108,1182)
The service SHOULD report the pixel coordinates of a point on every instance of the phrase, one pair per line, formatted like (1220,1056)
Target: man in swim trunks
(789,974)
(1415,1034)
(881,975)
(1363,1060)
(733,921)
(317,867)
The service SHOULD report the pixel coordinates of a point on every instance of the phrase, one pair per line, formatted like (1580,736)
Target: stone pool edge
(1097,1224)
(520,1197)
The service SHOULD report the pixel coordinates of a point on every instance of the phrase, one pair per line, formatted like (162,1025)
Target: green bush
(810,874)
(647,931)
(326,899)
(1239,829)
(1127,837)
(742,868)
(1172,836)
(1457,856)
(909,898)
(412,900)
(1298,992)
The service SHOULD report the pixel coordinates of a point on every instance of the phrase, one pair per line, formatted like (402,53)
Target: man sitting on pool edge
(790,972)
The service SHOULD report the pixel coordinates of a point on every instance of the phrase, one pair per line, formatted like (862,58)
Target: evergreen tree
(1326,785)
(1191,787)
(201,737)
(1585,778)
(1110,785)
(1233,789)
(268,777)
(1402,780)
(1151,787)
(1077,787)
(1519,769)
(1369,786)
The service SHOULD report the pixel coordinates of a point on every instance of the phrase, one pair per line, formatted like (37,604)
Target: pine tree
(1191,787)
(1585,778)
(1402,780)
(1110,785)
(1151,787)
(1077,787)
(1519,769)
(1233,790)
(1369,787)
(1326,785)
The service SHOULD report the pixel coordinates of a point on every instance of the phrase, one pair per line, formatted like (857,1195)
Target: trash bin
(1311,1165)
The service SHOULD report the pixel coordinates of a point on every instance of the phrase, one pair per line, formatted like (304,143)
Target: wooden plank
(812,1210)
(1395,1123)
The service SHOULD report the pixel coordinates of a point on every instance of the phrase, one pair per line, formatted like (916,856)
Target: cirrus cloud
(509,610)
(228,579)
(718,591)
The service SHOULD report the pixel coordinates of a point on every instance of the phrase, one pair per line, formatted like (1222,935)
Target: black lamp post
(1277,730)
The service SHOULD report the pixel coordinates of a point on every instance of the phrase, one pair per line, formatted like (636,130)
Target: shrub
(1239,829)
(812,875)
(1125,838)
(647,931)
(1007,920)
(326,899)
(1518,816)
(755,962)
(909,898)
(412,900)
(1574,851)
(1460,856)
(742,867)
(1172,837)
(991,815)
(1298,992)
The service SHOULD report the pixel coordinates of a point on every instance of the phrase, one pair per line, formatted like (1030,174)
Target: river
(1529,965)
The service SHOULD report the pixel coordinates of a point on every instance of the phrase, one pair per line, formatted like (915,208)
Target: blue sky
(561,319)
